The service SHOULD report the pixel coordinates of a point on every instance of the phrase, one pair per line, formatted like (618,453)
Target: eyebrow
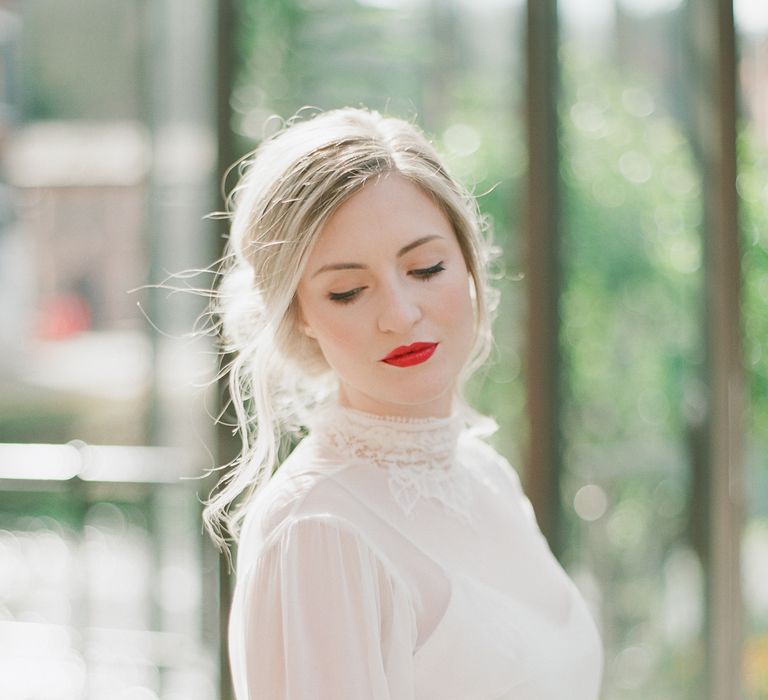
(359,266)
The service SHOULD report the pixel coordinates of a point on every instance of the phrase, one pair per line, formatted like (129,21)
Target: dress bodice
(399,558)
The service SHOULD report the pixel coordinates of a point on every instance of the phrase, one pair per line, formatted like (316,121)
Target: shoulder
(315,549)
(303,486)
(483,457)
(496,467)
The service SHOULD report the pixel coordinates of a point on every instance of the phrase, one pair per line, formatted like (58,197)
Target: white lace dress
(399,559)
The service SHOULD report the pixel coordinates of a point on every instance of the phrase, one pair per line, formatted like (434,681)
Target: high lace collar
(419,454)
(425,443)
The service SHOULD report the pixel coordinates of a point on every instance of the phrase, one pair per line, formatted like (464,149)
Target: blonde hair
(288,188)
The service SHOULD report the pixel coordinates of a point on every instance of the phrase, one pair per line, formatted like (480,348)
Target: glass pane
(103,592)
(752,185)
(100,594)
(631,338)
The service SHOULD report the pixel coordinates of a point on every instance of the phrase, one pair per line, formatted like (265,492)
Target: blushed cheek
(459,314)
(339,340)
(459,303)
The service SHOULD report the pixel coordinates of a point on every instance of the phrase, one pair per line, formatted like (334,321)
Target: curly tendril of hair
(288,188)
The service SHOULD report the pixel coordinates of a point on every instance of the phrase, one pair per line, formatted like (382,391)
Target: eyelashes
(422,274)
(345,297)
(429,272)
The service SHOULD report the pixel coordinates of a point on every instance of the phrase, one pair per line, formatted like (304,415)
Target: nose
(399,308)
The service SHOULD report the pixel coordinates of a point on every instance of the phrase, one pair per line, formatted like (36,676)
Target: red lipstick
(409,355)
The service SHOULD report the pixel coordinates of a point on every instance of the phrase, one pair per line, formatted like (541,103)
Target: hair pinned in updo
(288,189)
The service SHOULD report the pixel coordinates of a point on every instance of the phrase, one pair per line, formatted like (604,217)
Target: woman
(393,554)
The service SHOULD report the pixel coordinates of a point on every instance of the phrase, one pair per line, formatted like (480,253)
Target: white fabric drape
(394,559)
(324,619)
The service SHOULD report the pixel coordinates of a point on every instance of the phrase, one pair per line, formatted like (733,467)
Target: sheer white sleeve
(324,618)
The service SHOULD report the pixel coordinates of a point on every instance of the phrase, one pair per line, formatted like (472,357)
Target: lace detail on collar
(419,454)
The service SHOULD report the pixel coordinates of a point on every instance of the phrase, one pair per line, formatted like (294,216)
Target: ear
(306,329)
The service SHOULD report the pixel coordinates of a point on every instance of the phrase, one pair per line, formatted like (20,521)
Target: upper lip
(407,349)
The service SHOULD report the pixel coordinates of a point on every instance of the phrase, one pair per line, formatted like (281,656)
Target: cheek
(341,337)
(457,301)
(458,317)
(336,333)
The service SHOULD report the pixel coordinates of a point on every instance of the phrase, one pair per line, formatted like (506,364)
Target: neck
(439,407)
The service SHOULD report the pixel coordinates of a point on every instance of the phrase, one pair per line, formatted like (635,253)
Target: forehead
(385,214)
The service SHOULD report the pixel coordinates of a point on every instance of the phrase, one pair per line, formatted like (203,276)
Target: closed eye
(423,274)
(428,272)
(345,297)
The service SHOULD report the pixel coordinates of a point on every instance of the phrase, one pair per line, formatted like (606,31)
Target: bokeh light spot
(590,502)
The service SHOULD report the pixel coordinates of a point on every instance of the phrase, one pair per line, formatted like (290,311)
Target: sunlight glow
(751,16)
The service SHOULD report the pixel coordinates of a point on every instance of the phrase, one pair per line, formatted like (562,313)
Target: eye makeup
(423,274)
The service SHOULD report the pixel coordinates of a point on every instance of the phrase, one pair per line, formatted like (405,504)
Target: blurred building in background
(107,587)
(117,120)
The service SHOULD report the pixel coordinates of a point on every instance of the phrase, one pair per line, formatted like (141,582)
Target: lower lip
(412,358)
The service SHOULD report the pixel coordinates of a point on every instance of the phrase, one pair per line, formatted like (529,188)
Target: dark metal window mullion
(542,269)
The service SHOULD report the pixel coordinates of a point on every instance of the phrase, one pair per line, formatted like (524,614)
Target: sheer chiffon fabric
(399,559)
